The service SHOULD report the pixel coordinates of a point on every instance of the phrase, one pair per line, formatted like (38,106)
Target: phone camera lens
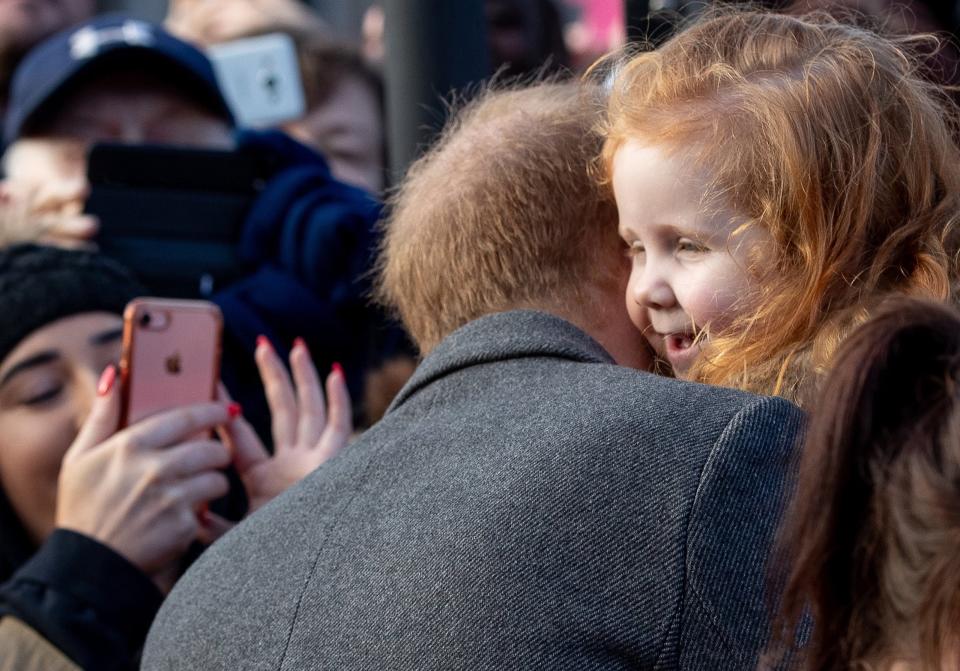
(145,320)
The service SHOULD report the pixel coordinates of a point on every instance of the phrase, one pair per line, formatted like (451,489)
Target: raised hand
(306,430)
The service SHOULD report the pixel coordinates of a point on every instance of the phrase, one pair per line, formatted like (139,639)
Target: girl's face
(689,272)
(47,384)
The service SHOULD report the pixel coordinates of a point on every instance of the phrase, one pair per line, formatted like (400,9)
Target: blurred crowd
(650,360)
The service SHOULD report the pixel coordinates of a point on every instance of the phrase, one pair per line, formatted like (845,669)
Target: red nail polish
(262,340)
(107,378)
(337,368)
(234,410)
(300,342)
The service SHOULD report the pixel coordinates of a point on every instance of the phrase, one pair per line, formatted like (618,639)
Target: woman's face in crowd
(347,128)
(688,277)
(47,384)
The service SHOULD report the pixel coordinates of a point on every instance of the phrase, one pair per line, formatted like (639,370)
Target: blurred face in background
(23,23)
(47,384)
(511,30)
(214,21)
(347,128)
(132,108)
(47,168)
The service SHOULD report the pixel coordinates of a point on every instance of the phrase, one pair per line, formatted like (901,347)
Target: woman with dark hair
(95,521)
(873,532)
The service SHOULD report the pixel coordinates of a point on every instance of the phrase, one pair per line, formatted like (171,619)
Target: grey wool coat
(524,504)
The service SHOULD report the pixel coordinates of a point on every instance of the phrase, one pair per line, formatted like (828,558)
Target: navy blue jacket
(308,243)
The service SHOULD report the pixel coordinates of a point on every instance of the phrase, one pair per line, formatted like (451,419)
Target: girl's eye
(42,397)
(689,246)
(634,249)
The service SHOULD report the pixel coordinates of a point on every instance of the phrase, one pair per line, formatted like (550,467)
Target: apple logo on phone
(173,363)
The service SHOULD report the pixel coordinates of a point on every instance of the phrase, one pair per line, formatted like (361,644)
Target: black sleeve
(87,600)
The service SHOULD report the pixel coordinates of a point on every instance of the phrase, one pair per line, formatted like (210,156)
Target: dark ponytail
(872,536)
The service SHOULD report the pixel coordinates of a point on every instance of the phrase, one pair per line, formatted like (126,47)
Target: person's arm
(743,489)
(89,602)
(23,649)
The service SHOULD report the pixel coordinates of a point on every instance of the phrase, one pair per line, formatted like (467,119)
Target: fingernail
(107,378)
(203,514)
(262,340)
(234,410)
(337,368)
(300,342)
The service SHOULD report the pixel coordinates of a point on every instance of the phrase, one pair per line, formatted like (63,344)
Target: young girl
(776,178)
(874,530)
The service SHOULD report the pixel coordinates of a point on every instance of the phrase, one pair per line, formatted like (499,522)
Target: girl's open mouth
(678,342)
(681,350)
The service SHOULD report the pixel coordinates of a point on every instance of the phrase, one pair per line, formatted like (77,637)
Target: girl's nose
(651,290)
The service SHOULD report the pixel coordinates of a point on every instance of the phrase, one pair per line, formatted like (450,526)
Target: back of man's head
(503,213)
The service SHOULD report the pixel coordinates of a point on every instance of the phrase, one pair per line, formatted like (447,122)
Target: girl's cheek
(732,295)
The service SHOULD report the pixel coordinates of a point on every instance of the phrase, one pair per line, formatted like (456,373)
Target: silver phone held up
(260,78)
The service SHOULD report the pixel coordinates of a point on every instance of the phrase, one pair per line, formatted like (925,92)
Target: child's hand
(306,430)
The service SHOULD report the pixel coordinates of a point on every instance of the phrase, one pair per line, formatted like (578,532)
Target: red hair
(826,136)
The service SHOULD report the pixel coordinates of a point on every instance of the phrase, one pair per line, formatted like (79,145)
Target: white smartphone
(260,78)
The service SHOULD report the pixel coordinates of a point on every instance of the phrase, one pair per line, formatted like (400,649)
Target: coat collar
(502,336)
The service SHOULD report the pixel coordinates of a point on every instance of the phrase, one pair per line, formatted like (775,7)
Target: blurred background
(423,50)
(588,23)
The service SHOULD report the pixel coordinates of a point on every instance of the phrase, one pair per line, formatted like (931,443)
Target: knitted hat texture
(39,285)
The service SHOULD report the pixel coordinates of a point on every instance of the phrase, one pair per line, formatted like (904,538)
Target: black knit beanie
(39,285)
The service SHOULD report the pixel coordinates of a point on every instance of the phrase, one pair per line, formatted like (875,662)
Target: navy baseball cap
(111,40)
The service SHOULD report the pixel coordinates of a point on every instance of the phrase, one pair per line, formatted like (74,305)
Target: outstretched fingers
(279,393)
(339,426)
(312,414)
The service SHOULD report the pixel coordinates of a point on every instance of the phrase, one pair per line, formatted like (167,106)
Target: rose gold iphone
(171,355)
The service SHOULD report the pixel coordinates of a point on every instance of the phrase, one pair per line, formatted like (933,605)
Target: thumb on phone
(104,415)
